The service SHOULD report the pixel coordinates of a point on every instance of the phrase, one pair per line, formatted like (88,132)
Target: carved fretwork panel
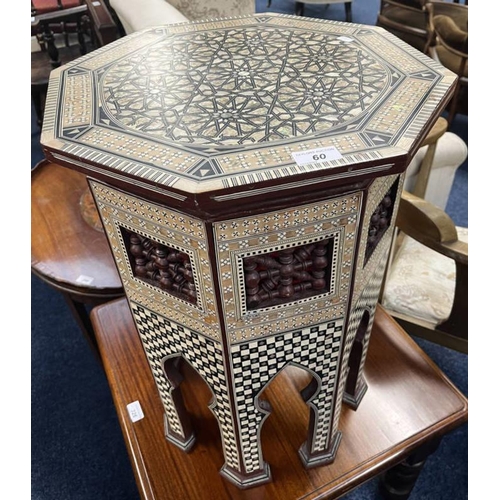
(288,275)
(380,220)
(161,266)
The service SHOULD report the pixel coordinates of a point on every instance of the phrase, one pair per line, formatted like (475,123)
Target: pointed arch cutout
(356,353)
(172,368)
(311,387)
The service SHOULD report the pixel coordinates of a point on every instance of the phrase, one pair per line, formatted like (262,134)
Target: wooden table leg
(398,482)
(299,8)
(348,11)
(81,315)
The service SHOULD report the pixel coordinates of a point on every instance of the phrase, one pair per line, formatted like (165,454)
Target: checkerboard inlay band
(255,364)
(162,338)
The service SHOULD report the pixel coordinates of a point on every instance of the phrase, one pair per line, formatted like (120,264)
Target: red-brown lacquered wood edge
(371,440)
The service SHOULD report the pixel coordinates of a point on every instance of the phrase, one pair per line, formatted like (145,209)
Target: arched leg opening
(355,386)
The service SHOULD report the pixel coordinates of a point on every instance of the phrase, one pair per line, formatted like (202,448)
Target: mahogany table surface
(409,401)
(68,247)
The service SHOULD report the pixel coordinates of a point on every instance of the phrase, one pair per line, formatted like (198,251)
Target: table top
(409,401)
(68,246)
(228,104)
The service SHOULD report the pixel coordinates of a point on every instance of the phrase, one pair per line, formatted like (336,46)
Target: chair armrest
(451,34)
(436,132)
(430,226)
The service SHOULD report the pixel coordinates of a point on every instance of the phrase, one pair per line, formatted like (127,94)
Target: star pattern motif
(242,86)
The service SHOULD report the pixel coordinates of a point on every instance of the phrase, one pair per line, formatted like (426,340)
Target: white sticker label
(345,39)
(84,280)
(96,4)
(135,411)
(316,155)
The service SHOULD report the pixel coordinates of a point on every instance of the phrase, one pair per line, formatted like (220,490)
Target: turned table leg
(397,483)
(81,315)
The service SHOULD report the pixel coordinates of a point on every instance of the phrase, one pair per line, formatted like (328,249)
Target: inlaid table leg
(255,365)
(358,339)
(178,429)
(397,483)
(164,343)
(381,208)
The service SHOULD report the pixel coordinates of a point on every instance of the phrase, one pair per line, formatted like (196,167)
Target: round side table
(69,250)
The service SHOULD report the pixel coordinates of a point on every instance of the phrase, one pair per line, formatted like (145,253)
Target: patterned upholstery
(421,282)
(196,10)
(136,15)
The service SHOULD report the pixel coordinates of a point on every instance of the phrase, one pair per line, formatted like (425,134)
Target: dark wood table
(410,404)
(69,250)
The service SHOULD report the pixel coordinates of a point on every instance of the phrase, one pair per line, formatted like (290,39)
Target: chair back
(406,19)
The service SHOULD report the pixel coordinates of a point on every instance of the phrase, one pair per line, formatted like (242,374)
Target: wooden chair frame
(390,24)
(90,16)
(432,227)
(434,41)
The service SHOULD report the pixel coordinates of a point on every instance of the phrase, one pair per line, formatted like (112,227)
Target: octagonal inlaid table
(247,173)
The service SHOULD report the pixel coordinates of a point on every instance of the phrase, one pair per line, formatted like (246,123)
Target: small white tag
(84,280)
(345,39)
(135,411)
(316,155)
(32,19)
(96,4)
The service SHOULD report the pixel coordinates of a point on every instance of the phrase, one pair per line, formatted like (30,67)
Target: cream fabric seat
(421,282)
(451,152)
(136,15)
(426,285)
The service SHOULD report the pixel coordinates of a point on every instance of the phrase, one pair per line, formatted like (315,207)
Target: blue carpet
(78,451)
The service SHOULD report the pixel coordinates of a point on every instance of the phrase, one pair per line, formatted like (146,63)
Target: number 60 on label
(316,155)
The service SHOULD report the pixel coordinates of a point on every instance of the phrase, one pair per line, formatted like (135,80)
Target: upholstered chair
(426,287)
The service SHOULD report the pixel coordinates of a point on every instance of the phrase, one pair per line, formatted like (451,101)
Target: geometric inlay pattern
(380,220)
(212,105)
(242,86)
(123,215)
(288,275)
(161,266)
(256,363)
(203,116)
(334,221)
(162,338)
(366,302)
(376,193)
